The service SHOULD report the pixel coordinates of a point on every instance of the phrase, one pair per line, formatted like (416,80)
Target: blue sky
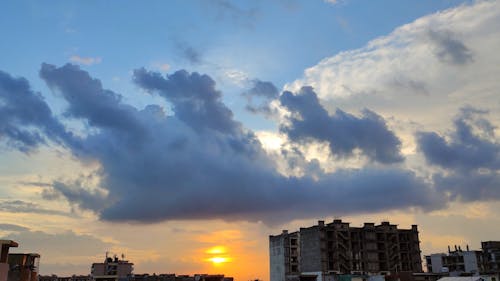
(163,129)
(273,41)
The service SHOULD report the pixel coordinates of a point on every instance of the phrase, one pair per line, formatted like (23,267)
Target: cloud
(90,102)
(20,206)
(22,109)
(59,248)
(78,194)
(85,60)
(449,49)
(12,227)
(436,65)
(264,91)
(193,96)
(344,132)
(470,155)
(199,163)
(471,146)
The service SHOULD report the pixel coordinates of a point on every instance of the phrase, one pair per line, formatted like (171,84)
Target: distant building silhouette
(23,267)
(17,267)
(4,255)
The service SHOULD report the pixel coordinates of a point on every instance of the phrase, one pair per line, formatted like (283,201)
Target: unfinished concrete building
(338,248)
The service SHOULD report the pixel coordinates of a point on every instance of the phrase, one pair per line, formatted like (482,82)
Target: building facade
(338,248)
(456,262)
(112,269)
(459,262)
(491,256)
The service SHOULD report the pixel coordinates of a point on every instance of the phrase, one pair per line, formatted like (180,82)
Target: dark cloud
(89,101)
(77,193)
(264,89)
(471,146)
(25,118)
(475,185)
(199,163)
(449,49)
(259,96)
(343,131)
(470,155)
(19,206)
(193,96)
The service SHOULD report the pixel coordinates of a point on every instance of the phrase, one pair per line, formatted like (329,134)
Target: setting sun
(218,255)
(219,260)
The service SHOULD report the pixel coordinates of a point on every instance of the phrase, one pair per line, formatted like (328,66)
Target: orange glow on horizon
(216,250)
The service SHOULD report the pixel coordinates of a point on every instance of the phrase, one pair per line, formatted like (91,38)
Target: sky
(183,133)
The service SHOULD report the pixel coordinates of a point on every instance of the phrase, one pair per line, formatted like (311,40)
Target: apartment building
(338,248)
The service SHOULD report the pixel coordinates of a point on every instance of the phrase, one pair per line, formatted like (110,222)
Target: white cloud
(236,76)
(85,60)
(422,72)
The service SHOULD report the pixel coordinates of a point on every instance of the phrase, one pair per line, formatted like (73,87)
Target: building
(23,267)
(456,262)
(284,255)
(115,269)
(459,262)
(4,255)
(315,252)
(491,256)
(112,269)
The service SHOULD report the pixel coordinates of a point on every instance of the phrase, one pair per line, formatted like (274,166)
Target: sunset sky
(183,133)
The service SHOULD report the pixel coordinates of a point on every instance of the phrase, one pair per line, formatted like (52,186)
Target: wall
(310,250)
(277,258)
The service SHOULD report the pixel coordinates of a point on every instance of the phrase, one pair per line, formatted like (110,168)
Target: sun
(219,260)
(218,255)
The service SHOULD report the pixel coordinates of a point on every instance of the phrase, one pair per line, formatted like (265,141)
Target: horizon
(184,133)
